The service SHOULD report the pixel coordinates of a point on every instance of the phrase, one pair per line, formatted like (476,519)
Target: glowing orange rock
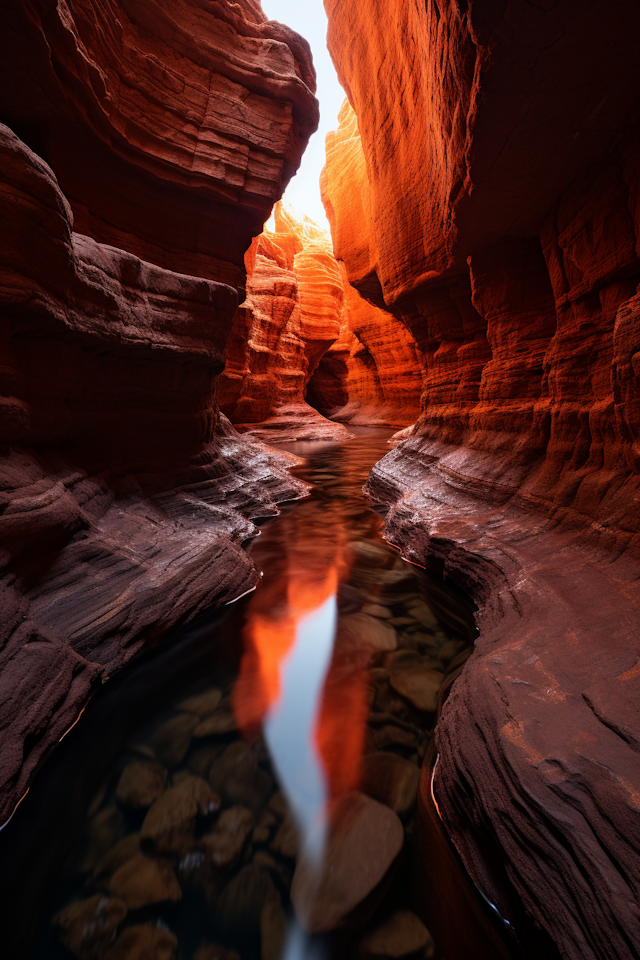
(304,334)
(372,373)
(489,197)
(292,314)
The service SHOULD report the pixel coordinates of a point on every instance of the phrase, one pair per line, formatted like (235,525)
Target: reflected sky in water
(290,727)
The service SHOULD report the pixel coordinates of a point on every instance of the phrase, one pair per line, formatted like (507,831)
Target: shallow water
(237,767)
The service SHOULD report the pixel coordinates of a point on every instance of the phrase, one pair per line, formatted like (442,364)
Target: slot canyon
(320,538)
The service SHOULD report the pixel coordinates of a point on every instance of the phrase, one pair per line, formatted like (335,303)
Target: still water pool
(249,792)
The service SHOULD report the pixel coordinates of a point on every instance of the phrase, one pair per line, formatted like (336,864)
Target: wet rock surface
(365,838)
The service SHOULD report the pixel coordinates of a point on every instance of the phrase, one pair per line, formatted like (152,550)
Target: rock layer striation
(146,145)
(305,346)
(487,195)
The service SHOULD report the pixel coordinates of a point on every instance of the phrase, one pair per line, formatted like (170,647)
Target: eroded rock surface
(168,131)
(172,127)
(292,314)
(487,195)
(305,346)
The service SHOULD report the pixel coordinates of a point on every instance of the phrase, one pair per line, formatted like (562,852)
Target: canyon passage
(319,545)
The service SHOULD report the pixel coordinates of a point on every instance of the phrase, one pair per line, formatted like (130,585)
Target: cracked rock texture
(305,346)
(487,195)
(146,145)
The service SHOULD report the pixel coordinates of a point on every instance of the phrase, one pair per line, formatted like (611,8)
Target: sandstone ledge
(539,737)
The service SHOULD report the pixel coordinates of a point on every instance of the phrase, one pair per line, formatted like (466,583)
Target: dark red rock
(488,195)
(169,130)
(172,134)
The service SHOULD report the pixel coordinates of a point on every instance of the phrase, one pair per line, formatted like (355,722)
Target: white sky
(308,18)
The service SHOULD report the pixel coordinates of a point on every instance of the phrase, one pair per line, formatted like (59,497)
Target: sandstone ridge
(487,196)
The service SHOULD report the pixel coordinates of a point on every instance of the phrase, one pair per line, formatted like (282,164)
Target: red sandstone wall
(292,314)
(168,131)
(487,195)
(305,341)
(526,298)
(172,126)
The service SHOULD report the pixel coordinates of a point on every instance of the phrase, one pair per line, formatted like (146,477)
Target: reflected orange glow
(340,731)
(268,640)
(303,567)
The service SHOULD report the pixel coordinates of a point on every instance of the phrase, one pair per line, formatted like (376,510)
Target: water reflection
(256,815)
(290,727)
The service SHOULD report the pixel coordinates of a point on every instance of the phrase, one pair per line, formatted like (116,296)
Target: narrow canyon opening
(319,539)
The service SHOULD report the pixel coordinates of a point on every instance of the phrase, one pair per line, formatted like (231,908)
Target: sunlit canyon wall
(143,147)
(484,187)
(306,347)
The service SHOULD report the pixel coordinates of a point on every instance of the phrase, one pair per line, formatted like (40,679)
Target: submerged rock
(144,942)
(240,905)
(213,951)
(168,826)
(201,760)
(218,723)
(377,610)
(224,845)
(423,613)
(239,779)
(278,870)
(391,735)
(123,851)
(419,684)
(88,927)
(359,630)
(202,704)
(140,784)
(286,840)
(402,935)
(263,829)
(273,927)
(391,780)
(364,840)
(171,742)
(143,880)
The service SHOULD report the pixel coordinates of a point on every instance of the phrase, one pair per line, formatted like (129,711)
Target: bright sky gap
(308,18)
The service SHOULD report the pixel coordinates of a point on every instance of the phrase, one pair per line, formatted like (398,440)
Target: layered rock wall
(148,144)
(292,314)
(305,346)
(172,127)
(486,194)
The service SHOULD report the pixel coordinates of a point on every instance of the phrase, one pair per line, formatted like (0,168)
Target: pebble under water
(251,793)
